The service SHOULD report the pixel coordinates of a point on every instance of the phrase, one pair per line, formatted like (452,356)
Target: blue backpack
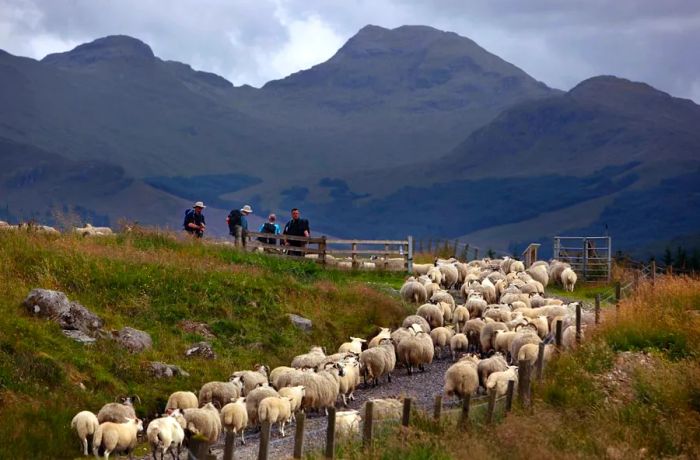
(189,217)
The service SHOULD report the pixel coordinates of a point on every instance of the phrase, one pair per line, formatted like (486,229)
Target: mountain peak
(113,47)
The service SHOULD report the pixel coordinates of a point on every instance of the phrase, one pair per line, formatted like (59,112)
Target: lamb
(384,333)
(220,393)
(251,379)
(431,313)
(85,423)
(116,437)
(275,409)
(252,401)
(498,381)
(347,423)
(311,359)
(205,422)
(384,409)
(486,336)
(321,388)
(486,367)
(441,338)
(182,400)
(117,412)
(166,434)
(416,350)
(416,319)
(354,346)
(296,395)
(462,379)
(568,279)
(349,382)
(458,342)
(413,291)
(378,362)
(460,316)
(234,418)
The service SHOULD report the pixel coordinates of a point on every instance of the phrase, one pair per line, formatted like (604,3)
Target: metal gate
(589,256)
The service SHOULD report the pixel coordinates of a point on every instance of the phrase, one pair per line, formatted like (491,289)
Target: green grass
(582,291)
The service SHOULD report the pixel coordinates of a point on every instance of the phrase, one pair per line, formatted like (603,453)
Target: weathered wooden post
(558,333)
(409,254)
(466,407)
(322,249)
(476,253)
(437,410)
(367,427)
(353,254)
(229,445)
(653,273)
(524,371)
(330,434)
(509,395)
(386,256)
(618,292)
(299,435)
(578,323)
(264,440)
(540,360)
(199,447)
(597,308)
(406,418)
(491,406)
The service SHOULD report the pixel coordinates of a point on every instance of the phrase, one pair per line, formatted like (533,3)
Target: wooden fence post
(524,371)
(330,434)
(558,333)
(199,447)
(476,253)
(578,323)
(540,360)
(386,256)
(367,427)
(491,406)
(264,440)
(409,254)
(406,418)
(597,308)
(466,406)
(299,435)
(509,395)
(229,445)
(618,292)
(437,410)
(322,248)
(353,254)
(653,273)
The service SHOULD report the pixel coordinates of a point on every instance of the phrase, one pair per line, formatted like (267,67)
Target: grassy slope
(152,282)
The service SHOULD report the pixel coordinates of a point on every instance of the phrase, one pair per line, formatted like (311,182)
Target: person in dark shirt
(296,227)
(194,220)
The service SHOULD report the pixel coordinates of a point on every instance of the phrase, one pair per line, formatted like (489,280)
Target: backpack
(189,217)
(268,228)
(233,219)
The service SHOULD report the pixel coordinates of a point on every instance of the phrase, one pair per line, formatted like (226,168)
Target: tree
(668,258)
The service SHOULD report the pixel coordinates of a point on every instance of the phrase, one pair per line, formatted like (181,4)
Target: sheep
(458,342)
(85,423)
(251,379)
(166,433)
(568,337)
(400,334)
(347,423)
(568,279)
(462,379)
(220,393)
(234,418)
(542,325)
(446,312)
(117,412)
(350,381)
(182,400)
(275,409)
(354,346)
(253,399)
(476,305)
(311,359)
(521,339)
(505,264)
(422,269)
(431,289)
(460,316)
(486,336)
(432,314)
(416,319)
(500,313)
(517,266)
(441,338)
(472,329)
(281,372)
(205,421)
(435,275)
(379,361)
(530,353)
(116,437)
(321,388)
(416,350)
(450,275)
(555,270)
(296,395)
(502,341)
(413,291)
(490,365)
(498,381)
(443,296)
(488,290)
(384,409)
(384,333)
(89,230)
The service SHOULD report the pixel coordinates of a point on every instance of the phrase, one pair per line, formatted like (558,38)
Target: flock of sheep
(88,230)
(503,319)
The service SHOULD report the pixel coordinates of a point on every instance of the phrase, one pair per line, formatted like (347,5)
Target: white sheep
(220,393)
(347,423)
(416,350)
(349,382)
(530,353)
(166,434)
(279,377)
(117,412)
(498,381)
(234,418)
(321,389)
(311,359)
(435,275)
(296,396)
(116,437)
(275,409)
(432,314)
(354,346)
(384,333)
(413,291)
(441,338)
(251,379)
(416,319)
(462,379)
(384,409)
(460,316)
(458,342)
(89,230)
(486,367)
(85,423)
(182,400)
(450,275)
(487,333)
(252,401)
(378,361)
(568,279)
(205,422)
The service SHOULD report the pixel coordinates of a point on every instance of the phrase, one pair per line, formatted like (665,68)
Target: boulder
(133,340)
(202,349)
(300,322)
(194,327)
(79,336)
(162,371)
(55,306)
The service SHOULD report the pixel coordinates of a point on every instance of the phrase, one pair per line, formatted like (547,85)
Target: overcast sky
(560,42)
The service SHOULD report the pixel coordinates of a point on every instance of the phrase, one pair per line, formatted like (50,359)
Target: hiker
(194,223)
(238,225)
(270,227)
(296,227)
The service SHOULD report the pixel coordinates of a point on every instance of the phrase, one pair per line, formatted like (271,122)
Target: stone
(162,370)
(300,322)
(79,336)
(194,327)
(202,349)
(133,340)
(55,306)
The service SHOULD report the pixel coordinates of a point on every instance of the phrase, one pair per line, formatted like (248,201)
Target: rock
(202,349)
(56,306)
(161,370)
(300,322)
(133,340)
(194,327)
(79,336)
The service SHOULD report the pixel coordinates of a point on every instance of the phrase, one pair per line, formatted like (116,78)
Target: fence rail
(590,256)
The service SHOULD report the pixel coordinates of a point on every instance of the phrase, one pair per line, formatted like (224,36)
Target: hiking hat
(247,209)
(199,204)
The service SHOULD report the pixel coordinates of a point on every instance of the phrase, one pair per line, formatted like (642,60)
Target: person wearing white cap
(238,224)
(194,220)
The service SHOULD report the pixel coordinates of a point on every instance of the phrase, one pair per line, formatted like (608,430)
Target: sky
(560,42)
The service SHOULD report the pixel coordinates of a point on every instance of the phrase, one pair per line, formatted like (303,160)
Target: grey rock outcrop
(55,306)
(202,349)
(133,340)
(165,371)
(300,322)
